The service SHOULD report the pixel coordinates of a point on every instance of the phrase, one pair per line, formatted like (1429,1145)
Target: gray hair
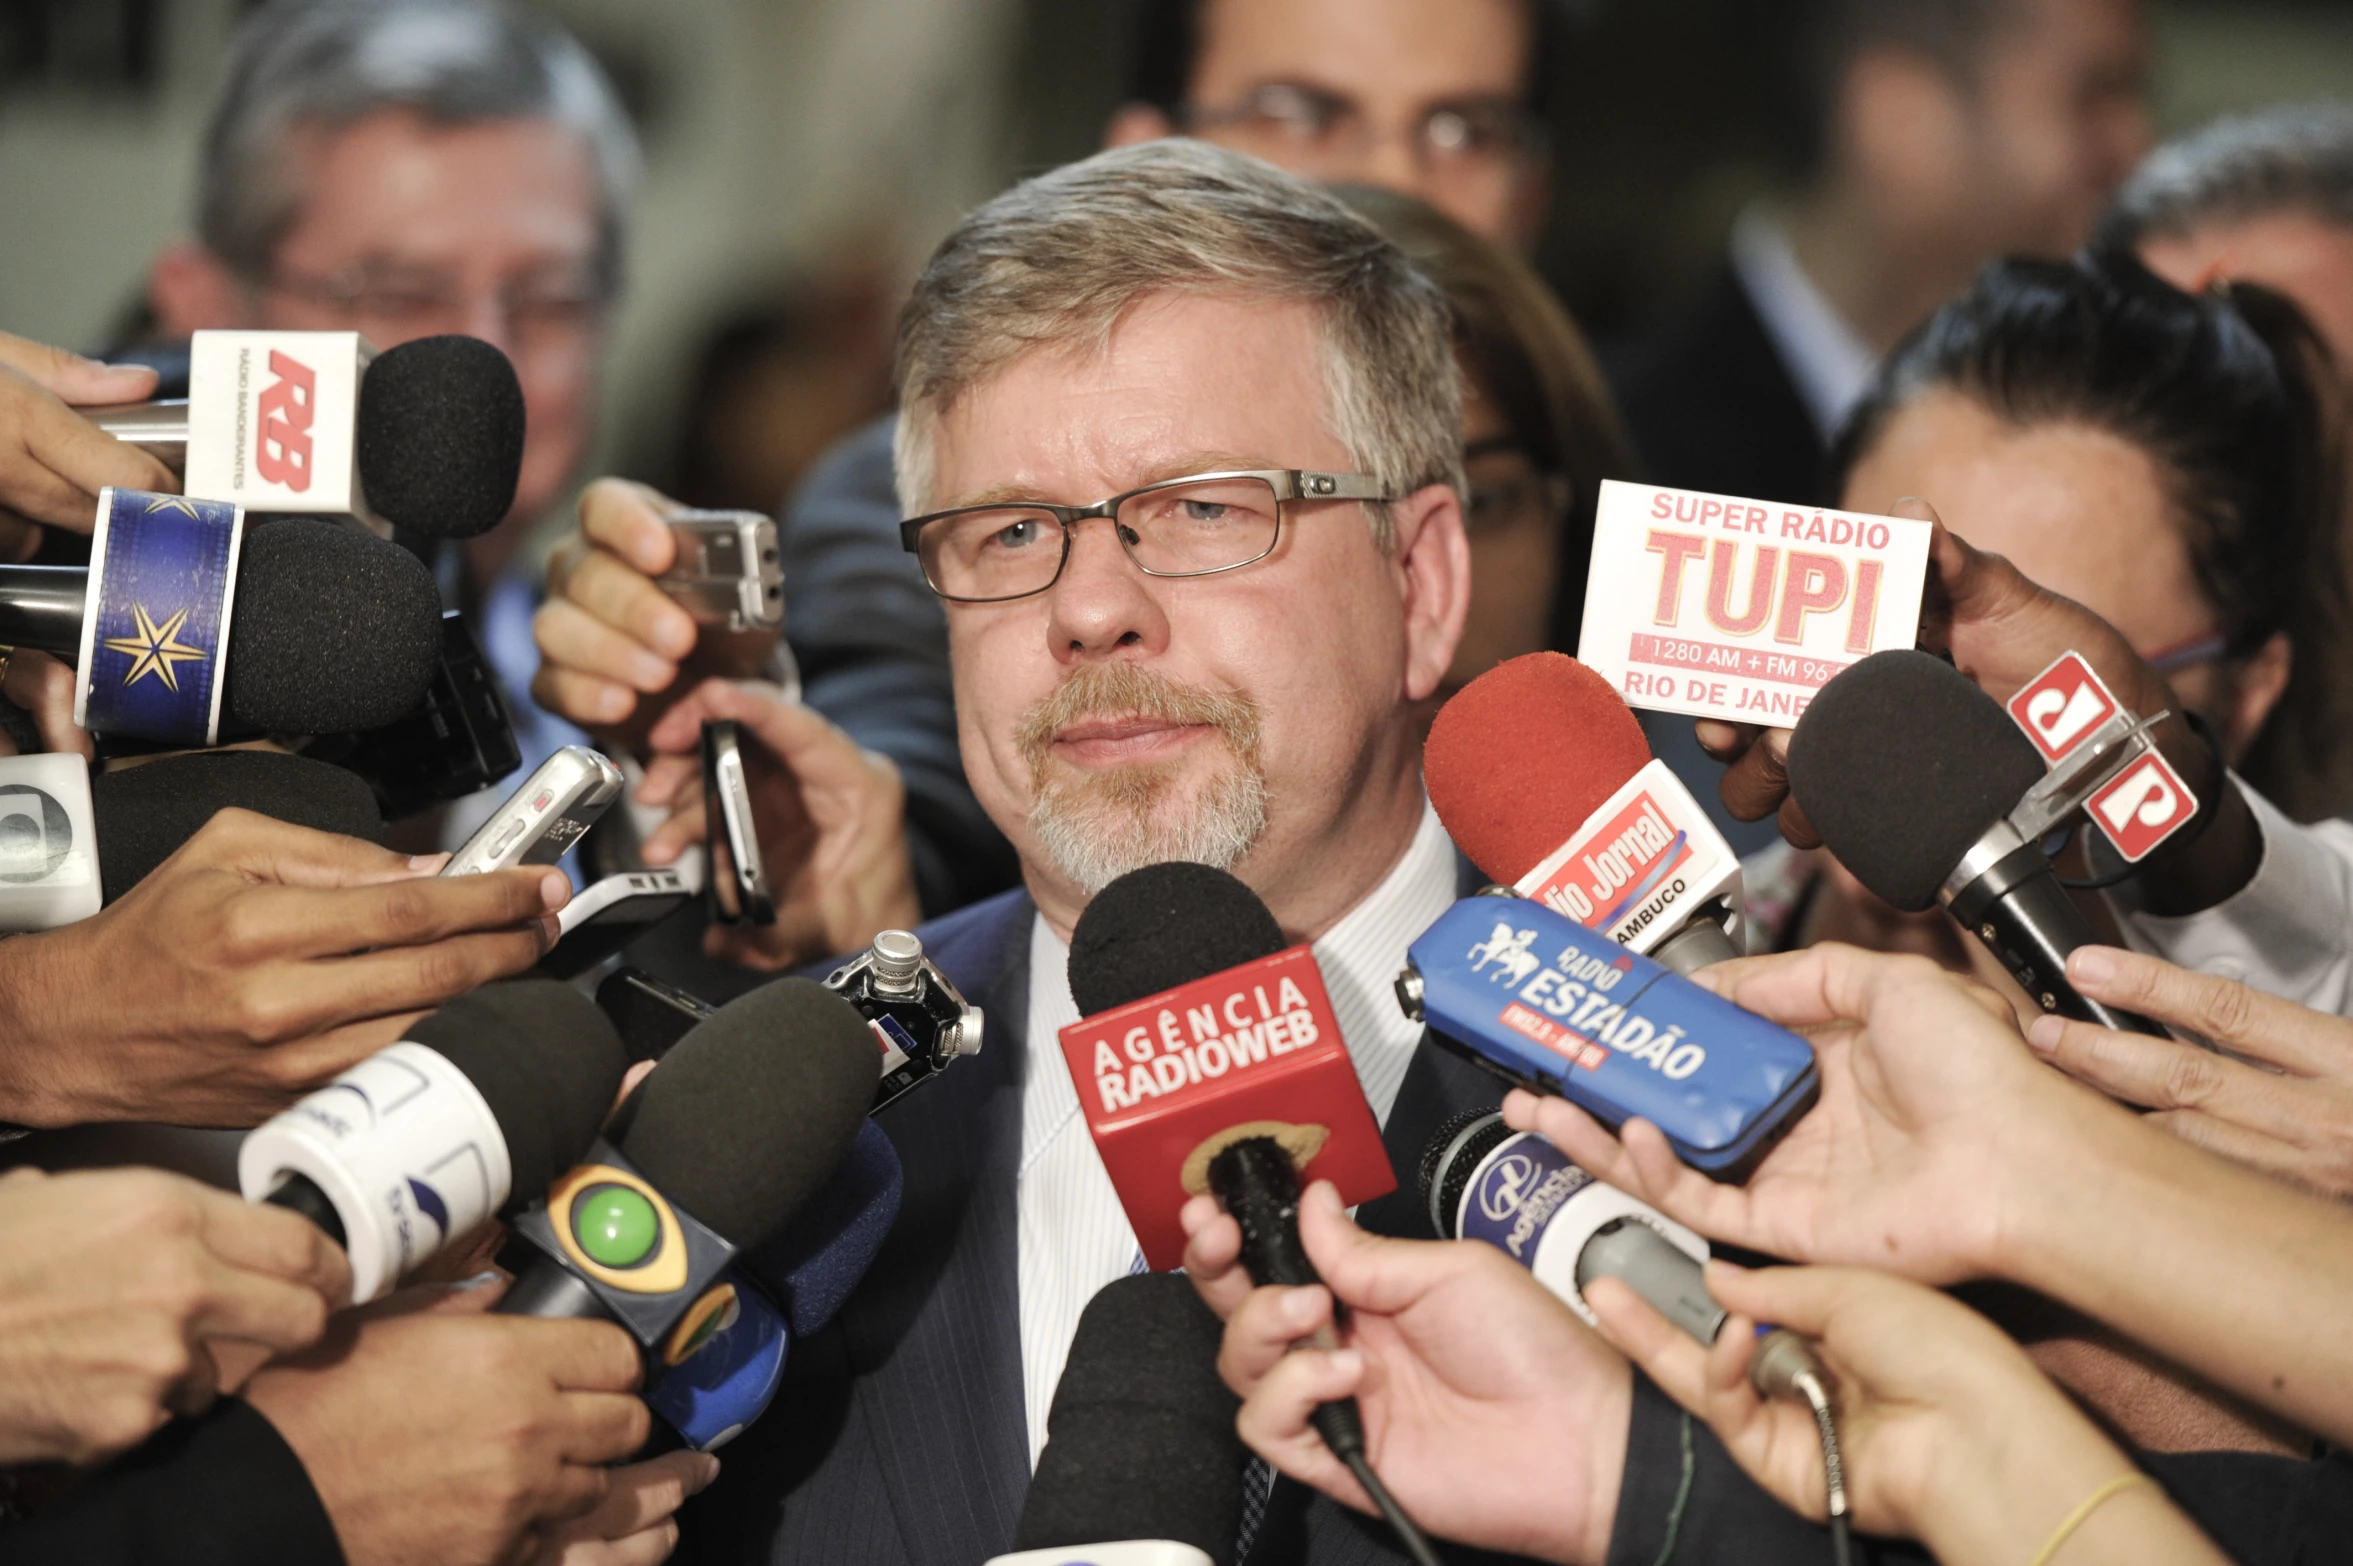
(1055,261)
(302,63)
(2297,158)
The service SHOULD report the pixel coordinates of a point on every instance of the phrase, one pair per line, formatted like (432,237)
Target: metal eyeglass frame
(1287,483)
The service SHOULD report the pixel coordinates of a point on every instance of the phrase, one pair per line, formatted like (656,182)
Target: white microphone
(426,436)
(480,1107)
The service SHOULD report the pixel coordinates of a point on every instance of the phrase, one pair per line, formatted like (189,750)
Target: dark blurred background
(803,155)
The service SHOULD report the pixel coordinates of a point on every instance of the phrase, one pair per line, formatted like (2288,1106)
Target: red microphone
(1542,776)
(1204,1028)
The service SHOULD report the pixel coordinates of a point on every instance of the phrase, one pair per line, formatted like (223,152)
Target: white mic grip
(404,1148)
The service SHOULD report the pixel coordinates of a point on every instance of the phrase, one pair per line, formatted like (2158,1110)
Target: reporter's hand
(44,687)
(116,1285)
(831,819)
(2296,1122)
(634,1525)
(252,965)
(1462,1363)
(614,649)
(53,461)
(439,1435)
(1947,1431)
(1899,1165)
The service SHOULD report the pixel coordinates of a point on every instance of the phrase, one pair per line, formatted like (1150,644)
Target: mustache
(1127,690)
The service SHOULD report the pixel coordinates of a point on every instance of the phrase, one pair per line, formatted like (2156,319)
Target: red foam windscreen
(1523,754)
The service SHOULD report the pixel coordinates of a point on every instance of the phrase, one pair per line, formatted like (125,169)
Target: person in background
(1933,135)
(2257,198)
(1539,435)
(1442,99)
(412,169)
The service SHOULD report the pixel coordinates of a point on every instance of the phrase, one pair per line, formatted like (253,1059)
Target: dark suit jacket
(1710,406)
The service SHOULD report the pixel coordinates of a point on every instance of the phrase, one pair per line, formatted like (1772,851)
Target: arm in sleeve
(221,1490)
(2285,931)
(872,645)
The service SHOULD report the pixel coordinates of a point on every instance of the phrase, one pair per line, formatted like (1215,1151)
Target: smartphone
(727,572)
(608,914)
(545,816)
(737,885)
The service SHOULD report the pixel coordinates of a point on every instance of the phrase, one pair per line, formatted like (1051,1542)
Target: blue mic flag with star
(163,570)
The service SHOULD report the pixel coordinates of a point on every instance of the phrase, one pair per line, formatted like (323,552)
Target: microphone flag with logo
(49,866)
(1203,1028)
(1548,1004)
(163,579)
(1541,773)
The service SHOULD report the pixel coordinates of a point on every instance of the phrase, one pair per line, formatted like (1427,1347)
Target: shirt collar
(1831,365)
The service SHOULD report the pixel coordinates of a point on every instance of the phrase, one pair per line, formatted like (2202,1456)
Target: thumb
(73,378)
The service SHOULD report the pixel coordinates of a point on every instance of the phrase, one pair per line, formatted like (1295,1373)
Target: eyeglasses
(1194,526)
(542,315)
(2207,647)
(1309,130)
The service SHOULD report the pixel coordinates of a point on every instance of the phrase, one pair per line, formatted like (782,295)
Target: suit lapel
(941,1372)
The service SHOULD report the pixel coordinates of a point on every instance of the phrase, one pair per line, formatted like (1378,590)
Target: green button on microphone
(615,1225)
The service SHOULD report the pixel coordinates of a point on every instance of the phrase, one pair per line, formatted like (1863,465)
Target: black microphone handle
(550,1290)
(2021,914)
(41,606)
(1256,1181)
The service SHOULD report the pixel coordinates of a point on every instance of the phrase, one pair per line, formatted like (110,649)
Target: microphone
(743,1120)
(145,812)
(1142,1465)
(1547,1004)
(71,842)
(1541,773)
(332,629)
(1911,773)
(427,436)
(478,1107)
(1202,1027)
(1481,1180)
(804,1276)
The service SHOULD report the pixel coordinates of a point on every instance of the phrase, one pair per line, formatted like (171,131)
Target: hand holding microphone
(115,1288)
(1950,1435)
(53,461)
(257,961)
(1492,1413)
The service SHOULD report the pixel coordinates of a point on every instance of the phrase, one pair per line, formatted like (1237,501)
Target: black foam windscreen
(144,813)
(1901,763)
(544,1059)
(1453,1154)
(440,439)
(754,1109)
(332,630)
(1165,925)
(1140,1442)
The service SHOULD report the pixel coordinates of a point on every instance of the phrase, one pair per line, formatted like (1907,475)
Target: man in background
(1934,135)
(408,170)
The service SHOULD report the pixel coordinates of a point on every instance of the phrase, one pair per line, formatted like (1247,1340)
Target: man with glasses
(1187,481)
(408,170)
(1441,99)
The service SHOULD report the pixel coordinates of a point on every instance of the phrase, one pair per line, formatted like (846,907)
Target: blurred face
(2078,510)
(1514,526)
(2309,260)
(409,229)
(1117,719)
(2061,118)
(1421,96)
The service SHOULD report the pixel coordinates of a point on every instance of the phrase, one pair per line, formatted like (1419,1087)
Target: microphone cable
(1784,1366)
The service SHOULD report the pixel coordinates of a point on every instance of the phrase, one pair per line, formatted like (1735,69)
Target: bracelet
(2090,1504)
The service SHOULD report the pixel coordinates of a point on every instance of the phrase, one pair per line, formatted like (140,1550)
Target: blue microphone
(1548,1004)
